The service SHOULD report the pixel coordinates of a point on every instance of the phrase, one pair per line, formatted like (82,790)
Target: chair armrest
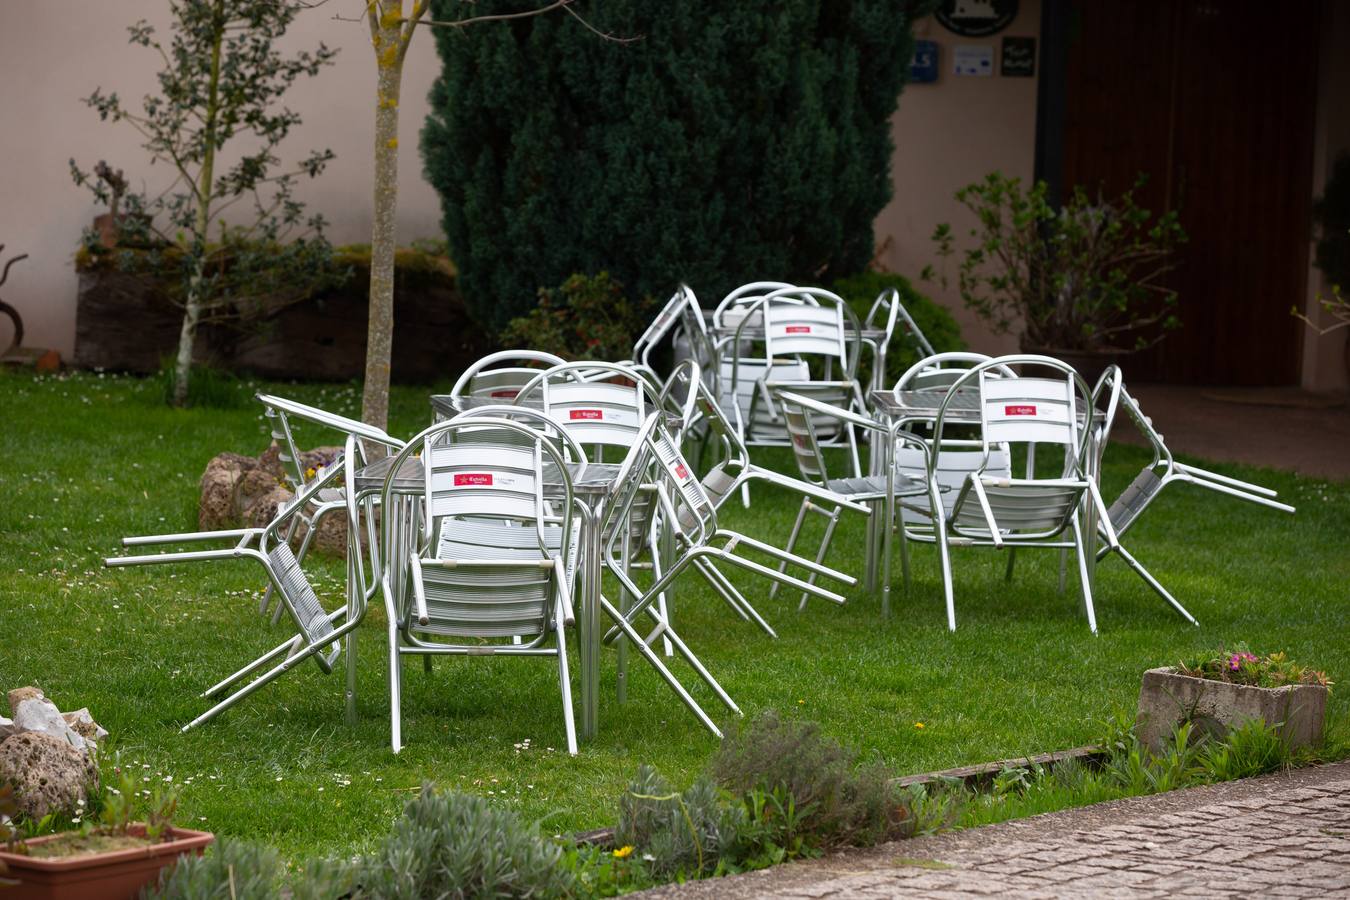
(330,420)
(564,592)
(419,593)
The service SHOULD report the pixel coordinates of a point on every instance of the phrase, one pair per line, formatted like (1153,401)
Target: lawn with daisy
(89,458)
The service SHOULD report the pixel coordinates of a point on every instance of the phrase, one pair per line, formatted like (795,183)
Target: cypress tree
(732,142)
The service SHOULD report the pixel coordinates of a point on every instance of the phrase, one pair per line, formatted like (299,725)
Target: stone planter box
(118,875)
(1167,699)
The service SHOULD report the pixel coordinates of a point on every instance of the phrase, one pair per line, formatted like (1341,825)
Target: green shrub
(584,318)
(229,870)
(838,802)
(1252,748)
(457,846)
(936,323)
(678,833)
(732,142)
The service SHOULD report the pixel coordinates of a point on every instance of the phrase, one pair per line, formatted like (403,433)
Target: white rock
(6,727)
(84,725)
(42,717)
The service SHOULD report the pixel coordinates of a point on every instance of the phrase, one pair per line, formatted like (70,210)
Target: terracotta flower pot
(115,875)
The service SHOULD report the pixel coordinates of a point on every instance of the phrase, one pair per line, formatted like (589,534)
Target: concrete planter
(1167,699)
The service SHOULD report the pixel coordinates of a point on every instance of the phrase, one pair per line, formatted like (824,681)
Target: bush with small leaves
(837,801)
(231,870)
(684,833)
(459,846)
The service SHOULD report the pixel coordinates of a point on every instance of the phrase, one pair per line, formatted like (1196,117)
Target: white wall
(53,54)
(948,134)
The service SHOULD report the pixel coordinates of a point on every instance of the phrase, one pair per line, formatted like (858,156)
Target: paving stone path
(1284,835)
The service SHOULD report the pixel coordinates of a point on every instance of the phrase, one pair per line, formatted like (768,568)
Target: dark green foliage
(838,802)
(456,846)
(731,142)
(1252,748)
(1332,214)
(229,870)
(684,833)
(936,323)
(585,318)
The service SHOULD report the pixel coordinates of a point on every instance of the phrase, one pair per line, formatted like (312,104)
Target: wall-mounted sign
(973,59)
(976,18)
(1019,57)
(923,68)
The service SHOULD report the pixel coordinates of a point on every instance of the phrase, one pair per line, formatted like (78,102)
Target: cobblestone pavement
(1284,835)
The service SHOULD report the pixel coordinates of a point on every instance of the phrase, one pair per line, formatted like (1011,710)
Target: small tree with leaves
(220,87)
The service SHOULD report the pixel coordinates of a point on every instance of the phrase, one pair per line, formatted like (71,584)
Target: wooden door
(1214,100)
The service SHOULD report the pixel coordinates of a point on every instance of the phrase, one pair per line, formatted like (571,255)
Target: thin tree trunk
(388,42)
(195,301)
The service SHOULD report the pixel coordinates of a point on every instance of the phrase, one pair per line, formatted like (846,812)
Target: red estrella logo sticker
(508,394)
(1019,410)
(473,479)
(681,471)
(585,414)
(799,329)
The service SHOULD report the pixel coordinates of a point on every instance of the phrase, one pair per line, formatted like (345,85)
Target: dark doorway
(1215,102)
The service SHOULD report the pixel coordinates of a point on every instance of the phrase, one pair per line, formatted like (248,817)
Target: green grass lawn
(87,459)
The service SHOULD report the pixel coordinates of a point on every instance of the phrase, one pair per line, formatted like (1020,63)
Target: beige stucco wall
(948,134)
(1324,357)
(51,57)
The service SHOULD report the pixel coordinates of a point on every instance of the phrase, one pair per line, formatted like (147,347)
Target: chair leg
(820,555)
(1064,569)
(395,690)
(1154,583)
(723,585)
(944,559)
(1084,578)
(565,682)
(792,539)
(1012,560)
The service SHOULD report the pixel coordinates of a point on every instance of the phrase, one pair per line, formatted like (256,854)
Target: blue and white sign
(923,68)
(973,59)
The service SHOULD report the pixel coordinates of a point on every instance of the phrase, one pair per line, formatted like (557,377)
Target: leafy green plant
(1252,748)
(221,86)
(936,323)
(457,845)
(1241,666)
(839,802)
(587,317)
(1088,276)
(229,870)
(209,387)
(679,833)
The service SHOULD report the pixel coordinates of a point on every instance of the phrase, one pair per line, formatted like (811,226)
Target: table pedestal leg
(588,622)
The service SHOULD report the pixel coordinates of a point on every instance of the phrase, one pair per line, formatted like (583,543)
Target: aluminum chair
(281,415)
(495,559)
(498,377)
(674,312)
(801,327)
(889,306)
(1110,396)
(318,633)
(882,492)
(601,404)
(692,517)
(735,306)
(1000,511)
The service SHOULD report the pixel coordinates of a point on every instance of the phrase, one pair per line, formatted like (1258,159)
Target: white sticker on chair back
(795,328)
(500,384)
(597,412)
(1027,409)
(482,479)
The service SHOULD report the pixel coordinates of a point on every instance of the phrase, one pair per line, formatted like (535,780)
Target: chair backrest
(801,431)
(484,495)
(534,419)
(281,413)
(500,376)
(939,371)
(795,328)
(594,411)
(691,511)
(674,311)
(1043,409)
(733,308)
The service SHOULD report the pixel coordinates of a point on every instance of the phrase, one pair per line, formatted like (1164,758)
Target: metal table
(447,406)
(592,492)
